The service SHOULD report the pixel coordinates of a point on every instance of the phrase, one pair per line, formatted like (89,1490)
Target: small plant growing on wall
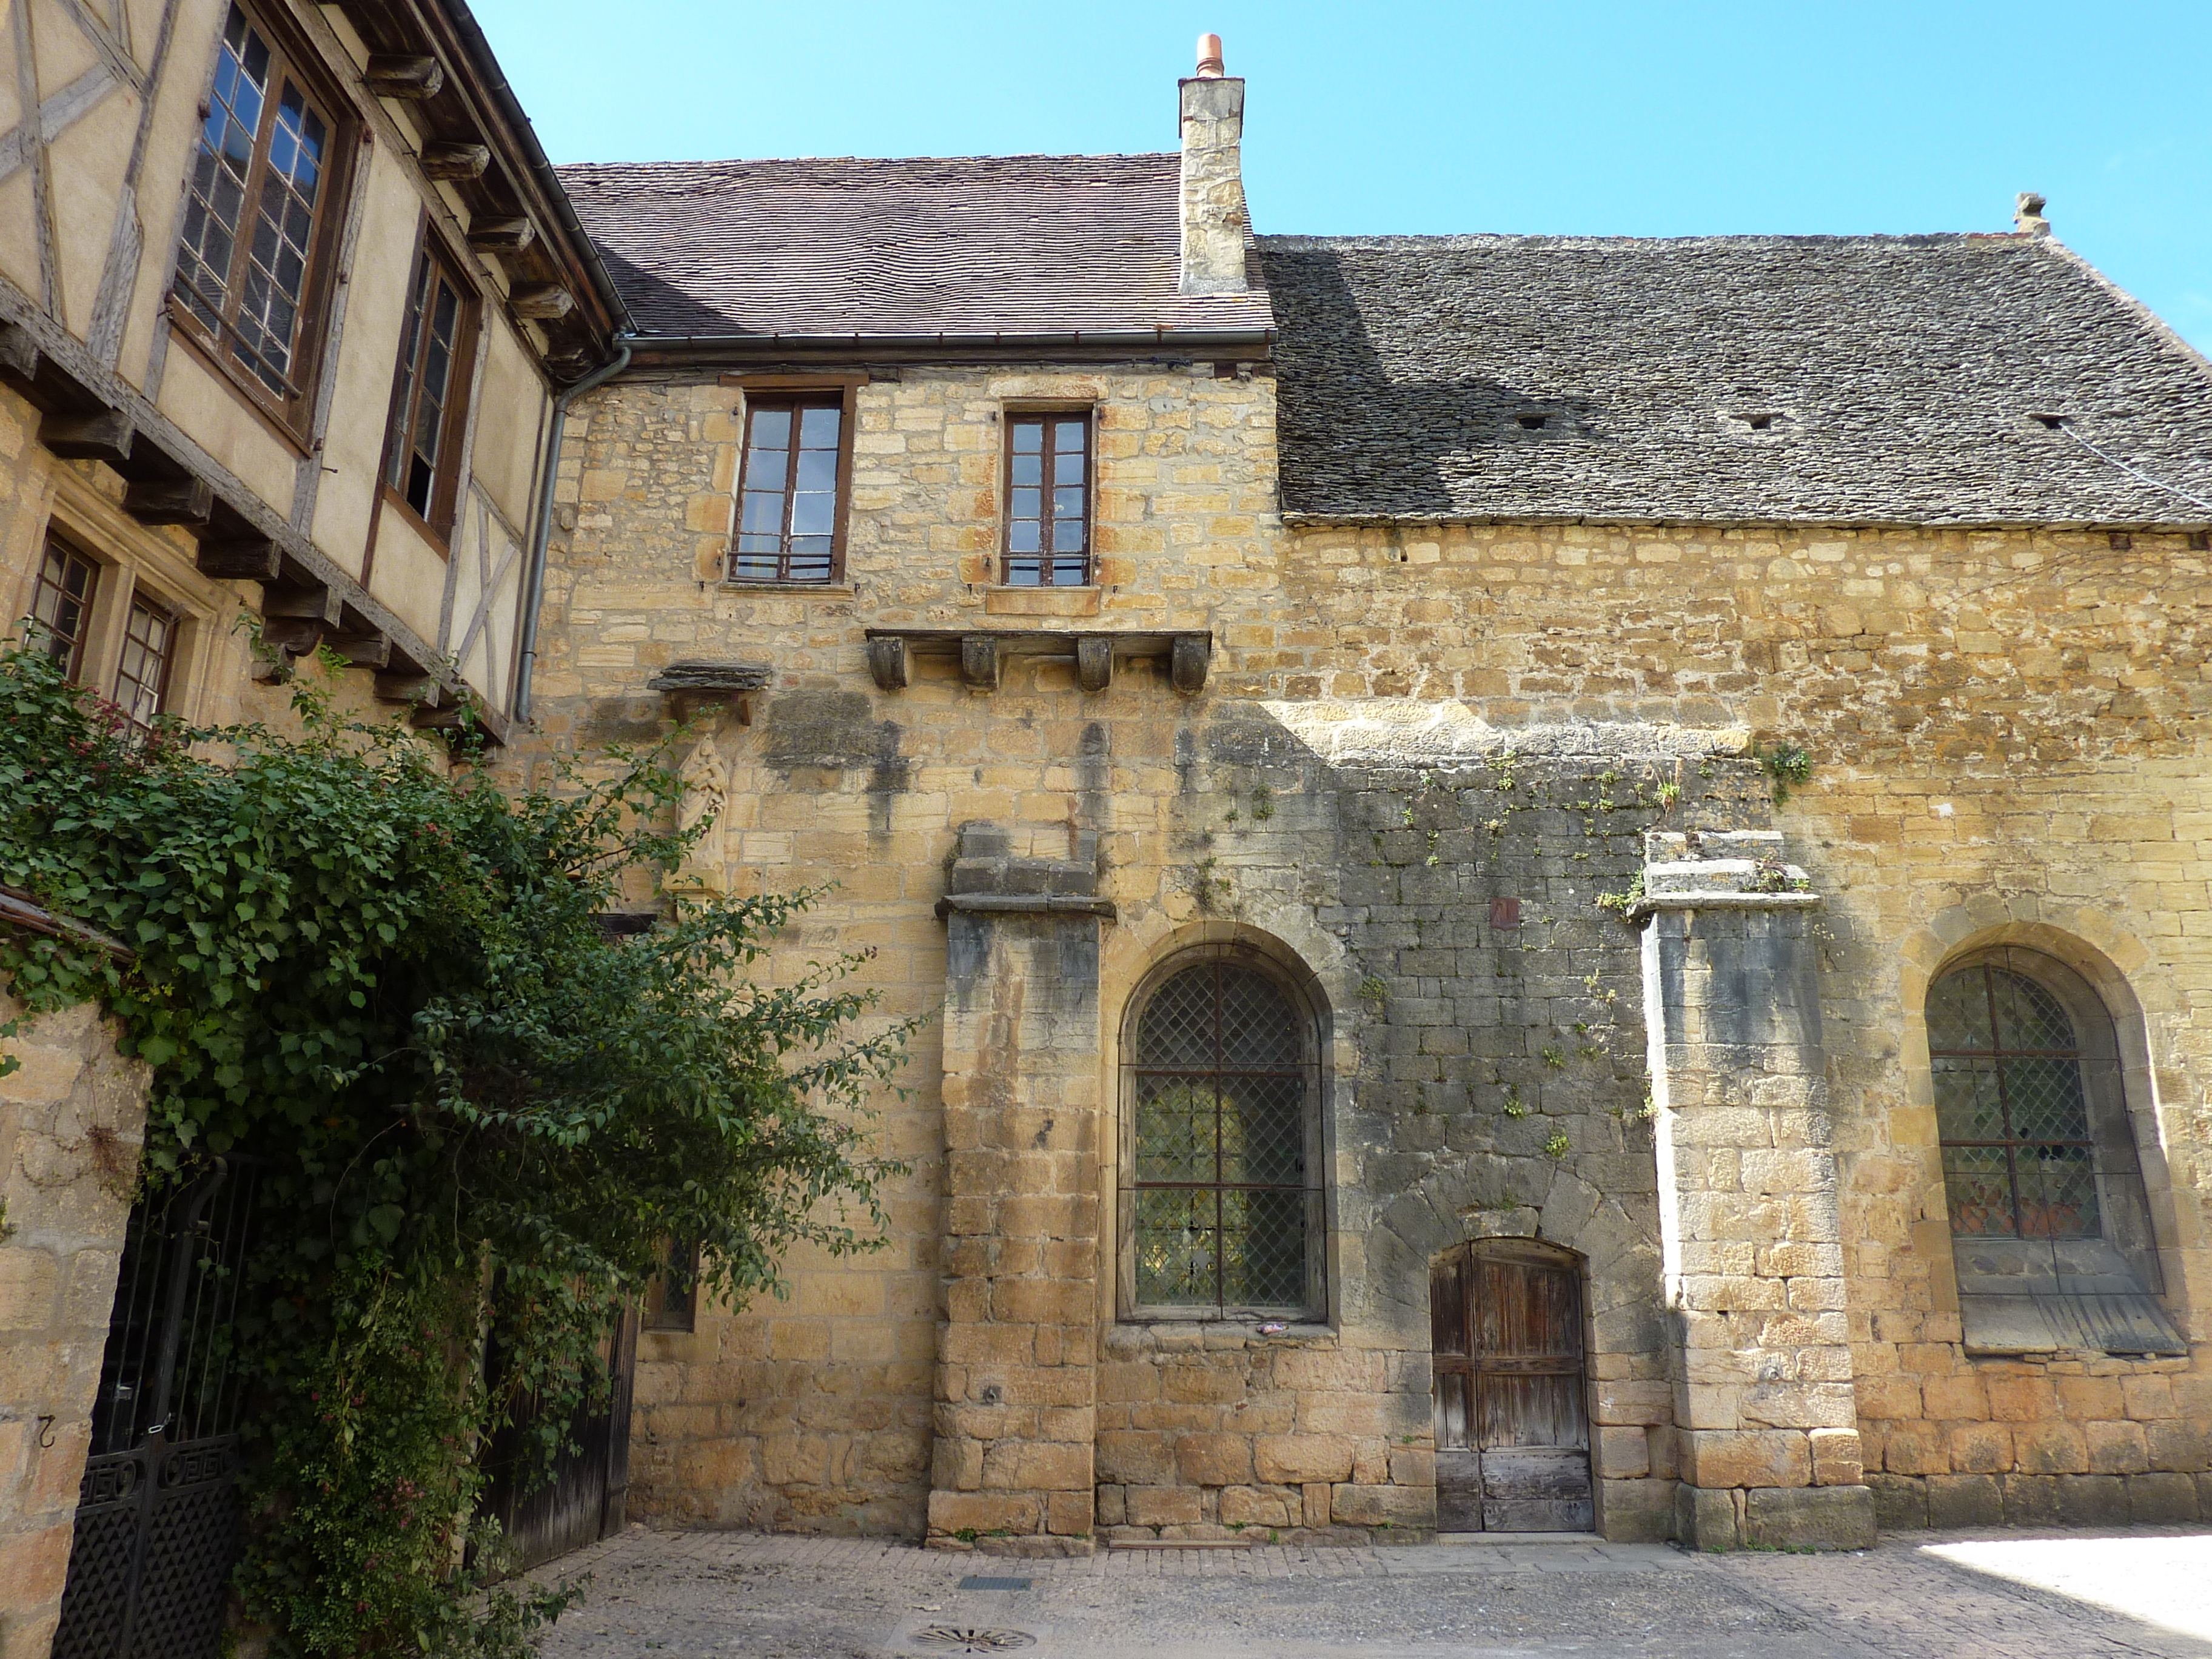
(1790,768)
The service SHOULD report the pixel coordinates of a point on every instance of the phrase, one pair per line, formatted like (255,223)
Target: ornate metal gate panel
(157,1513)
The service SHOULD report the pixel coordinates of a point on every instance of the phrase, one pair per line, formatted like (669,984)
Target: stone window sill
(808,590)
(1294,1330)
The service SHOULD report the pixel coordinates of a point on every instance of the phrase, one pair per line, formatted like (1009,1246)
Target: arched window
(2019,1159)
(2049,1223)
(1221,1189)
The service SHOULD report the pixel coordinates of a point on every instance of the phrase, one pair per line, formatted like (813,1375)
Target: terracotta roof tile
(1015,244)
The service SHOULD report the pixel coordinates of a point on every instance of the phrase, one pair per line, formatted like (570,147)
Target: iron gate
(157,1513)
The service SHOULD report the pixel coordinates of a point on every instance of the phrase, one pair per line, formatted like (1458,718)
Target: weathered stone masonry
(1482,646)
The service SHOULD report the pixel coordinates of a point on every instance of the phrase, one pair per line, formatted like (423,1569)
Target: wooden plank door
(1512,1429)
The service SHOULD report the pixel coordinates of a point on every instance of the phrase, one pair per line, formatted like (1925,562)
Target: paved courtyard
(2058,1596)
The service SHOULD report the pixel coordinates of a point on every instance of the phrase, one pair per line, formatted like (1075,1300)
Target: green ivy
(476,1115)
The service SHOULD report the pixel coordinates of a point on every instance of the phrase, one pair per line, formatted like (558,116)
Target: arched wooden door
(1512,1424)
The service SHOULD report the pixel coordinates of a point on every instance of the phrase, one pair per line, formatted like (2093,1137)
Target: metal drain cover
(974,1582)
(969,1638)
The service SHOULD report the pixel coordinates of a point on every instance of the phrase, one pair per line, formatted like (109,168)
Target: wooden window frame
(437,524)
(768,390)
(293,57)
(50,544)
(1314,1308)
(1012,415)
(141,599)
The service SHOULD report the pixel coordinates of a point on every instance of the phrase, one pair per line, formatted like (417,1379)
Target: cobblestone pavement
(2054,1595)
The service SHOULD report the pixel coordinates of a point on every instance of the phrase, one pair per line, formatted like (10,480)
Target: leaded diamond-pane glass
(1258,1026)
(1263,1248)
(1968,1104)
(1221,1106)
(2057,1193)
(1977,1187)
(1959,1013)
(1263,1132)
(2010,1108)
(1177,1123)
(2045,1092)
(1178,1247)
(1177,1030)
(2028,1017)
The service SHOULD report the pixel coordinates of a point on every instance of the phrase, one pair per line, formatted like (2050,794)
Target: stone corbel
(1094,664)
(1193,655)
(981,665)
(984,653)
(703,682)
(887,664)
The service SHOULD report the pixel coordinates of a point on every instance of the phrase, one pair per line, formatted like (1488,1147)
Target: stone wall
(1421,755)
(71,1119)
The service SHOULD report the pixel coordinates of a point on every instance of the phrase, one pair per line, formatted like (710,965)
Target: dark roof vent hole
(1532,422)
(2049,423)
(1759,422)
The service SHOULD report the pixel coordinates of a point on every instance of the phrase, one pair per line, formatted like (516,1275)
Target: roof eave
(1304,521)
(787,347)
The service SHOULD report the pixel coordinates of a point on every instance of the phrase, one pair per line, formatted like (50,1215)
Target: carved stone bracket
(887,664)
(983,654)
(701,682)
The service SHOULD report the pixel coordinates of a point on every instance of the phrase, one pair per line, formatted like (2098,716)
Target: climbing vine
(477,1117)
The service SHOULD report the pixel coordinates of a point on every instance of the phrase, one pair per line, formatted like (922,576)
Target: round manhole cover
(970,1639)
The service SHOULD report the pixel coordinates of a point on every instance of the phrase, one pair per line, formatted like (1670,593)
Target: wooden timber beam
(164,469)
(404,75)
(456,163)
(102,435)
(501,236)
(246,559)
(185,501)
(543,302)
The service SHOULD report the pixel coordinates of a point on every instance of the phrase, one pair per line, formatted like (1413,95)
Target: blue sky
(1658,119)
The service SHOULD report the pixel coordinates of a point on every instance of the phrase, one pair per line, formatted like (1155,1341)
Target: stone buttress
(1749,1219)
(1013,1462)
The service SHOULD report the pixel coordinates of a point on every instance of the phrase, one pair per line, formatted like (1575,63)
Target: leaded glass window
(2019,1156)
(247,252)
(1221,1194)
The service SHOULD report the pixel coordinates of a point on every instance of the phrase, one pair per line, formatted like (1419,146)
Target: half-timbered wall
(102,103)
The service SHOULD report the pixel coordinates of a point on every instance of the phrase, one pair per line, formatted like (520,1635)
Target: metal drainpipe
(534,574)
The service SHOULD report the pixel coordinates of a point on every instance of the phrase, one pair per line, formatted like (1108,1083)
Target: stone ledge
(1030,904)
(1716,899)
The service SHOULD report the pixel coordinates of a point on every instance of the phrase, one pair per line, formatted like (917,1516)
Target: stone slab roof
(972,245)
(1858,380)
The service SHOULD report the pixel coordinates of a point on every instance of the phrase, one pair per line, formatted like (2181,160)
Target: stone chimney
(2026,214)
(1213,177)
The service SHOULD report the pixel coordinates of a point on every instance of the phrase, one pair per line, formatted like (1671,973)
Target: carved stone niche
(983,654)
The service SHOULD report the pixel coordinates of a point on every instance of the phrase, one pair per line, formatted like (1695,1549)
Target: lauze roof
(1018,245)
(1848,379)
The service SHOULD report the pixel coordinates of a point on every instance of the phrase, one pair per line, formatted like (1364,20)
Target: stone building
(288,298)
(1560,880)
